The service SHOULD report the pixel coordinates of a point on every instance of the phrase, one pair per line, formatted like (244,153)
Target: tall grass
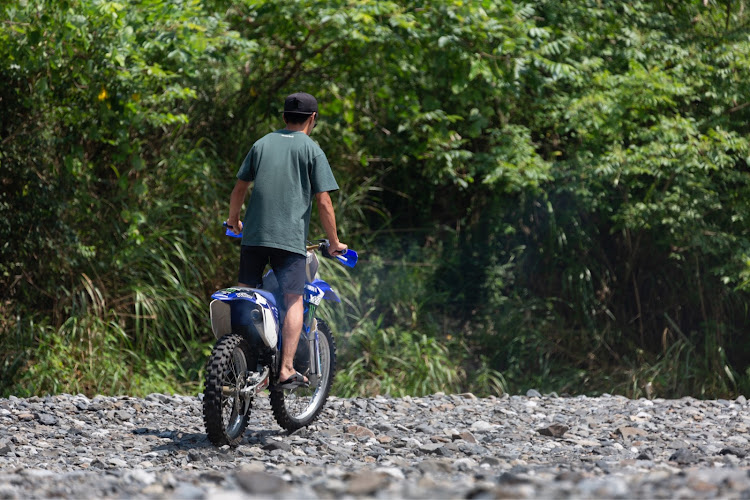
(397,363)
(149,333)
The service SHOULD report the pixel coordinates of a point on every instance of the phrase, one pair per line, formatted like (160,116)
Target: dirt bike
(247,356)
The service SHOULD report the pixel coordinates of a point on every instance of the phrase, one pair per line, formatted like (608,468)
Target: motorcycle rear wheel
(297,408)
(223,413)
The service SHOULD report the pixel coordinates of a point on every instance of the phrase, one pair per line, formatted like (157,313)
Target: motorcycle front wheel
(225,411)
(297,408)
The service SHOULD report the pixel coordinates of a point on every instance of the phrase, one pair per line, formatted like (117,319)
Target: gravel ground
(440,446)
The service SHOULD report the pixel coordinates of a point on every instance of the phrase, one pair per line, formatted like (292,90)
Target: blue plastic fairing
(349,259)
(230,232)
(329,293)
(230,294)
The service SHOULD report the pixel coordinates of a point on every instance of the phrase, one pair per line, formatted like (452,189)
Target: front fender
(328,293)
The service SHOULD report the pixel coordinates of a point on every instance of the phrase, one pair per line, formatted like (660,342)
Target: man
(287,169)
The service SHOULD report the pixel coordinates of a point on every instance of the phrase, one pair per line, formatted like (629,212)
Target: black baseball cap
(301,103)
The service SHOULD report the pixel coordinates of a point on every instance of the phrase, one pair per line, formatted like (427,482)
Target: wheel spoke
(238,367)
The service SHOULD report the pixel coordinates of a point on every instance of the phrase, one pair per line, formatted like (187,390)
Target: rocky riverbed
(441,446)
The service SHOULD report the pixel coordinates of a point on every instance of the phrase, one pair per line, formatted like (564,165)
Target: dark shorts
(288,267)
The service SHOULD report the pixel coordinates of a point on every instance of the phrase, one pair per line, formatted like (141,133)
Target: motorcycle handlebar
(321,246)
(348,258)
(230,232)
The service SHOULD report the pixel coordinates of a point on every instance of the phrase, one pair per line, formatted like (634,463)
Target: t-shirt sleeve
(247,169)
(321,176)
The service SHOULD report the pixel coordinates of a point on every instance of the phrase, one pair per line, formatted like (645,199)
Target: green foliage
(653,150)
(92,356)
(396,363)
(103,182)
(549,195)
(406,357)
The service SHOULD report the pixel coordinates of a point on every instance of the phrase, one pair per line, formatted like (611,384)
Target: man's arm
(235,205)
(328,220)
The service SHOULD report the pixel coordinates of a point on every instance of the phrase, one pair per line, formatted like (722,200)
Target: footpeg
(256,383)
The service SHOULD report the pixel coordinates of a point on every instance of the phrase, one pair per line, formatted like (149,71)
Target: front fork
(311,328)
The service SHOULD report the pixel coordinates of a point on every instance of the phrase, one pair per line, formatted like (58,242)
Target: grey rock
(97,463)
(491,461)
(367,483)
(472,449)
(273,445)
(465,435)
(430,448)
(729,450)
(483,426)
(554,430)
(683,456)
(384,427)
(117,462)
(141,476)
(439,446)
(434,466)
(189,491)
(464,464)
(393,472)
(511,478)
(360,431)
(361,403)
(213,476)
(47,419)
(645,455)
(607,487)
(7,446)
(260,483)
(425,429)
(627,432)
(7,491)
(124,415)
(36,473)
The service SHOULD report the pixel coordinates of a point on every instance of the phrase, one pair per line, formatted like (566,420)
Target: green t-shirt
(287,169)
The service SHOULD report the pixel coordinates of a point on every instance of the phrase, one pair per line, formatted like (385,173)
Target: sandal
(296,380)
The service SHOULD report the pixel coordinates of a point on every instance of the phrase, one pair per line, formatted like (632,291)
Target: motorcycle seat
(271,288)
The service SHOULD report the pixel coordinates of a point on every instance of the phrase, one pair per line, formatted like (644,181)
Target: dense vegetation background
(545,194)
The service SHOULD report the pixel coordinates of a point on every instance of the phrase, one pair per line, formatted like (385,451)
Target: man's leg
(253,261)
(289,269)
(290,334)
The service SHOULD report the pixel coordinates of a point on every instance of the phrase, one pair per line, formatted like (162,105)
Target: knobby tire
(221,370)
(290,407)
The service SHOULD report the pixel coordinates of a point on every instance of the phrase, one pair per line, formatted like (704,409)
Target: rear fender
(221,318)
(231,310)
